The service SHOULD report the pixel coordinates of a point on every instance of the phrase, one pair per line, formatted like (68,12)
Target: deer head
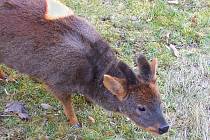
(139,95)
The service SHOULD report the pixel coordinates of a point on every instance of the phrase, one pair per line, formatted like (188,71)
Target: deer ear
(154,65)
(145,72)
(129,74)
(115,86)
(56,10)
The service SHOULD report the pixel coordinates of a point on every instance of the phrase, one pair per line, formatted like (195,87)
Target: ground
(131,27)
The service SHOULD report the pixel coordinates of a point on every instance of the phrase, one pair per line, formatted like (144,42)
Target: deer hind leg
(66,101)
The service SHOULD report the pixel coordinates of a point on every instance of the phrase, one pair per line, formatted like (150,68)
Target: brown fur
(69,56)
(143,91)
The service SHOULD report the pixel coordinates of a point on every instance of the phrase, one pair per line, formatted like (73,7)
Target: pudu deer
(44,39)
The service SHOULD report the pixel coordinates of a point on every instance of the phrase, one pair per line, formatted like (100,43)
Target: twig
(7,115)
(6,91)
(2,114)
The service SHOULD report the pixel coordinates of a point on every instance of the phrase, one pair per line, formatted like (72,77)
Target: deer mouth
(158,131)
(152,130)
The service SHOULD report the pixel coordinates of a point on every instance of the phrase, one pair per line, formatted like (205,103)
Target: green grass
(132,26)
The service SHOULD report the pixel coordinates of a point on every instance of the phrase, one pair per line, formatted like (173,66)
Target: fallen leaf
(44,138)
(2,76)
(174,50)
(91,119)
(17,108)
(5,77)
(173,1)
(46,106)
(194,21)
(11,79)
(109,133)
(200,34)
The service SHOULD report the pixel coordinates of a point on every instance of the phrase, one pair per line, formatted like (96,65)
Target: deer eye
(141,108)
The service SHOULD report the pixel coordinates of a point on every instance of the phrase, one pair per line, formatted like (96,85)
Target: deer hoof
(78,125)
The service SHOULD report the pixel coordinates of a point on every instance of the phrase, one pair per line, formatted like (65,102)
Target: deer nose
(164,129)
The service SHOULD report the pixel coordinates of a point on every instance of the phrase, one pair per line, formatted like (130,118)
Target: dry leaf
(44,138)
(174,50)
(46,106)
(173,1)
(194,21)
(91,119)
(3,76)
(18,109)
(109,133)
(11,79)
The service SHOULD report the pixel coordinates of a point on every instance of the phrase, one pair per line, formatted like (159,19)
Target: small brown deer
(44,39)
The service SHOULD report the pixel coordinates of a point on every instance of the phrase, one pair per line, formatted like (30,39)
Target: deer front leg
(69,112)
(66,101)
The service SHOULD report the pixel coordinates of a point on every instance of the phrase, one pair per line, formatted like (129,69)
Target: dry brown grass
(188,97)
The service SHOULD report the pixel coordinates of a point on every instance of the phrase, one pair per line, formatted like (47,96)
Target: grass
(131,27)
